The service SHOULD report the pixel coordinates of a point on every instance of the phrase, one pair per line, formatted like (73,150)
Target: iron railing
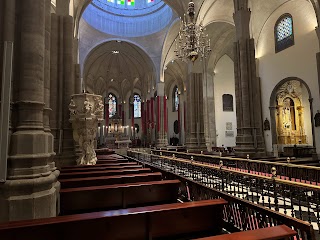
(241,191)
(288,171)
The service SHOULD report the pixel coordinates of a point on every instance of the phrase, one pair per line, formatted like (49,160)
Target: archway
(291,115)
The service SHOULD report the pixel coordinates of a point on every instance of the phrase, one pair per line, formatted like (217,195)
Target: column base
(29,198)
(162,142)
(245,145)
(193,145)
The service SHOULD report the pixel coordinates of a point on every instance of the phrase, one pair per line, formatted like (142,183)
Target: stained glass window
(112,104)
(284,32)
(175,98)
(121,2)
(150,1)
(112,1)
(130,2)
(137,106)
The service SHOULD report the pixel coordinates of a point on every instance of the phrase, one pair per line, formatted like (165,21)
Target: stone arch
(273,106)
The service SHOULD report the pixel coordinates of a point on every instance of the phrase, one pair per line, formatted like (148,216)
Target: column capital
(241,19)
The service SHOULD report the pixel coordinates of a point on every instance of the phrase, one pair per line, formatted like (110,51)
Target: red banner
(158,113)
(152,112)
(106,114)
(165,114)
(179,118)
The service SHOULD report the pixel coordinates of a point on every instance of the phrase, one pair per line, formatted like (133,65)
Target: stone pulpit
(86,111)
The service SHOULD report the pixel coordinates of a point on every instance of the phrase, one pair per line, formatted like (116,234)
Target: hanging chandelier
(192,41)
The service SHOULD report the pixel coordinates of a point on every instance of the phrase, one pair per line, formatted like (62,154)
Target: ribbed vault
(118,65)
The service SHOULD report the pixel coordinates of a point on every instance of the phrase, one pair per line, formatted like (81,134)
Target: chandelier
(192,41)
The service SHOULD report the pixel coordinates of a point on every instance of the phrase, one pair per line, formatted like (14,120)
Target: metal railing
(288,171)
(209,182)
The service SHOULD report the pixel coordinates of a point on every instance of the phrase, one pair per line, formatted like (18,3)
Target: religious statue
(317,119)
(266,125)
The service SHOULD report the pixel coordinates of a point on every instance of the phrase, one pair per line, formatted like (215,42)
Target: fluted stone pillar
(316,130)
(209,111)
(62,83)
(195,139)
(161,117)
(249,138)
(29,191)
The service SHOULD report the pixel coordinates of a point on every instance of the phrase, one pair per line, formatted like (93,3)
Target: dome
(128,18)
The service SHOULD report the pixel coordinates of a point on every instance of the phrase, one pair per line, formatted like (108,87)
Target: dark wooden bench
(112,161)
(98,168)
(118,179)
(271,233)
(103,173)
(101,165)
(86,199)
(168,221)
(100,157)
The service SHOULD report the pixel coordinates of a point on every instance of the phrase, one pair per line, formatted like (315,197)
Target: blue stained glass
(137,106)
(112,105)
(176,99)
(284,28)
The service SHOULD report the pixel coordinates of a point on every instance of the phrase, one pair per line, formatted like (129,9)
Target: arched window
(175,99)
(227,100)
(112,101)
(283,32)
(137,106)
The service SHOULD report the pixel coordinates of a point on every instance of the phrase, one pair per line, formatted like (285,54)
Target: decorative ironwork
(203,182)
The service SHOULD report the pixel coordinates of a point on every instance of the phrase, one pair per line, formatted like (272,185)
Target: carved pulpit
(86,111)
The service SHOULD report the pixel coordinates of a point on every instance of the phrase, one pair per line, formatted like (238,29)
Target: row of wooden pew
(117,199)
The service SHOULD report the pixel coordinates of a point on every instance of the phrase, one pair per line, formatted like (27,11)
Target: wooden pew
(168,221)
(101,165)
(270,233)
(118,179)
(103,173)
(98,168)
(114,156)
(86,199)
(112,161)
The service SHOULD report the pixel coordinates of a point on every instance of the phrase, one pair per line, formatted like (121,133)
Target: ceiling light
(111,80)
(192,41)
(115,52)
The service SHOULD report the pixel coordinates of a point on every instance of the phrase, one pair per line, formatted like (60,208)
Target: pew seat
(101,165)
(167,221)
(98,168)
(97,198)
(108,180)
(103,173)
(271,233)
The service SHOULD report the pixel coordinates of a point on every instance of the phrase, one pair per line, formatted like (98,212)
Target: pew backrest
(97,198)
(153,222)
(108,180)
(269,233)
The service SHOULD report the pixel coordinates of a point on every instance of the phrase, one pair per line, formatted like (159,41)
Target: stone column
(161,138)
(316,131)
(195,139)
(209,111)
(68,156)
(62,82)
(29,191)
(249,138)
(54,81)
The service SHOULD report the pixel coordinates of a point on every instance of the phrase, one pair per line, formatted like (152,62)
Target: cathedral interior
(113,107)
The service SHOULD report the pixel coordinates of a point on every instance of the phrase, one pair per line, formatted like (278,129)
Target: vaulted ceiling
(118,65)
